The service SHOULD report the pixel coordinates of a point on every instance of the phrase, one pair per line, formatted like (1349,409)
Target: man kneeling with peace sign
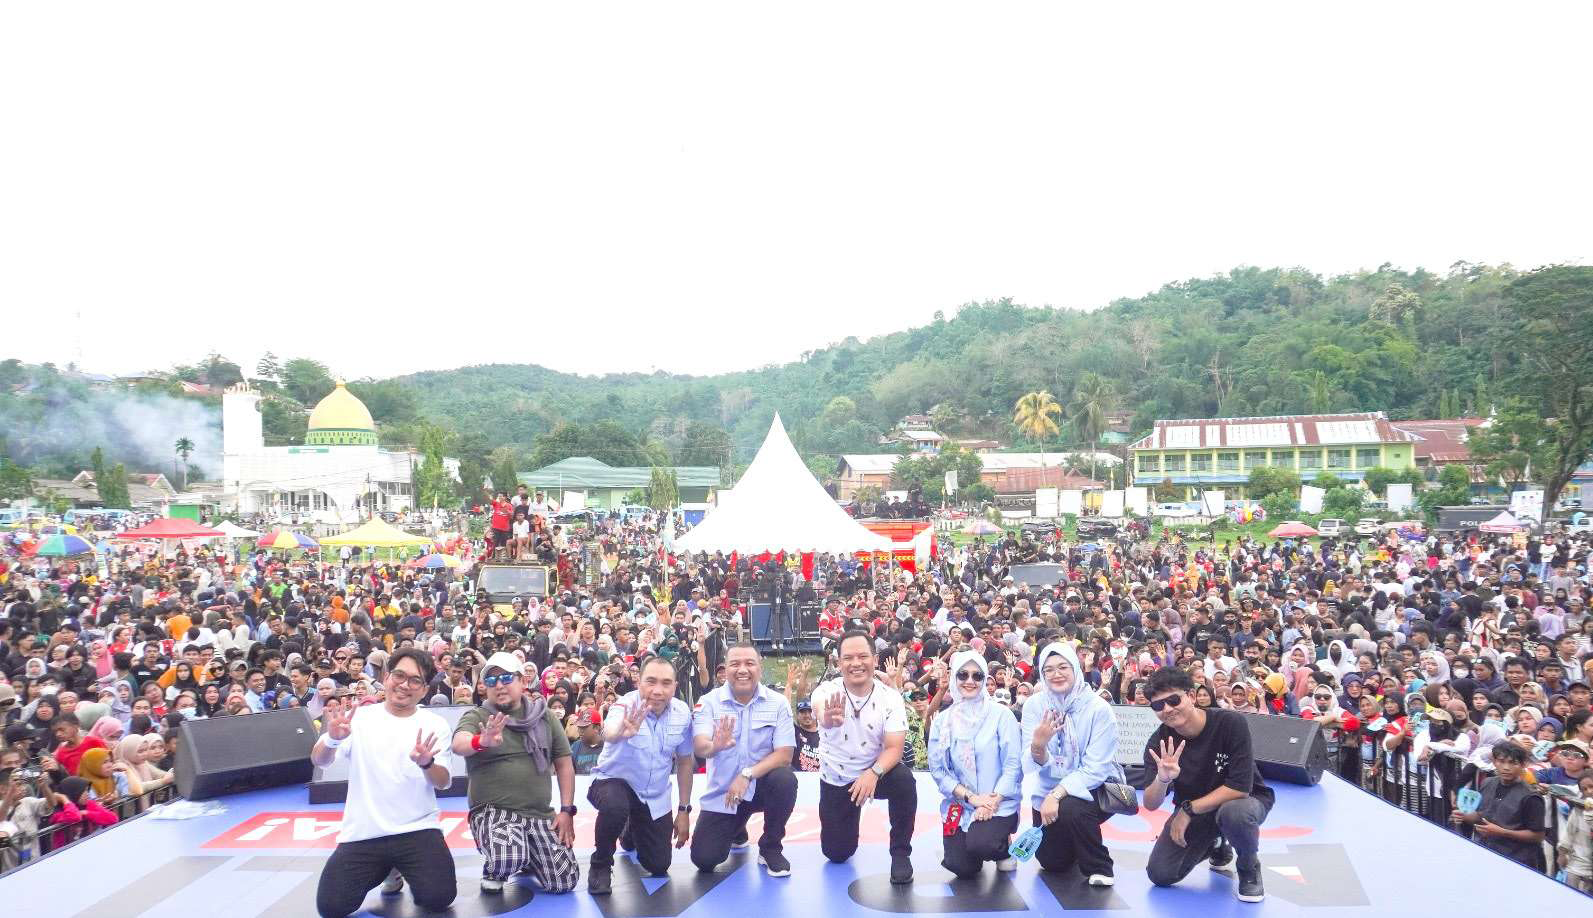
(1203,755)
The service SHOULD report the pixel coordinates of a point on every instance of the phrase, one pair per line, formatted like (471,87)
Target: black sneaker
(901,870)
(1222,857)
(599,880)
(1250,888)
(775,863)
(741,840)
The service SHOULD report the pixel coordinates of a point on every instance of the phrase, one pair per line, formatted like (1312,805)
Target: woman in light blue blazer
(1070,746)
(974,751)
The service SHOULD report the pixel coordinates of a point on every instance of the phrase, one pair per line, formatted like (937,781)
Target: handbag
(1115,797)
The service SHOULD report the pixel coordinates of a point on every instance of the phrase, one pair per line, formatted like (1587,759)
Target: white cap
(505,661)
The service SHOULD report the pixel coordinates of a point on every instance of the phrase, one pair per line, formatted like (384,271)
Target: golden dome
(341,410)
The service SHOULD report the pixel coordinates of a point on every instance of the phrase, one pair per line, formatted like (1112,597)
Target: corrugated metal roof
(586,472)
(1441,440)
(1286,430)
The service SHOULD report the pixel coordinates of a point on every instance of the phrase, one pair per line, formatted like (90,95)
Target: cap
(504,662)
(804,705)
(596,719)
(1576,744)
(8,696)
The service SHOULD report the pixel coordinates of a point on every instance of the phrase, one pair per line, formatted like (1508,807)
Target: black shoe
(1250,888)
(740,841)
(599,880)
(775,863)
(1222,857)
(901,870)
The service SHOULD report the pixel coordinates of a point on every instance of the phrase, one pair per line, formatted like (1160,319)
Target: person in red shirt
(69,733)
(498,533)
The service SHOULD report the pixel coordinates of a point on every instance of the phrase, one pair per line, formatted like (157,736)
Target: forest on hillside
(1254,341)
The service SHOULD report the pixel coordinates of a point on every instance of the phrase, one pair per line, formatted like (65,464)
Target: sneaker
(489,885)
(599,880)
(393,885)
(1250,888)
(775,863)
(1007,864)
(901,870)
(1222,857)
(740,841)
(1101,879)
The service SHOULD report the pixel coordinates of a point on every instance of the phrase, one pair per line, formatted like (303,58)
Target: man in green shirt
(513,746)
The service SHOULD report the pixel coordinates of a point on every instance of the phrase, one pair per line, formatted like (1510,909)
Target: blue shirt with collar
(646,761)
(763,725)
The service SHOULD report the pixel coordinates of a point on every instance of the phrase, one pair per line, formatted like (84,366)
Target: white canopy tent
(233,531)
(1504,522)
(780,506)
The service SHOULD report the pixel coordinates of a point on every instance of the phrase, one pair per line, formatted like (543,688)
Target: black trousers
(775,799)
(1238,822)
(356,868)
(616,805)
(839,816)
(1074,839)
(965,852)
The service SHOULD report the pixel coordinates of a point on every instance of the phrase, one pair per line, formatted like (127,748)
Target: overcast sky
(393,186)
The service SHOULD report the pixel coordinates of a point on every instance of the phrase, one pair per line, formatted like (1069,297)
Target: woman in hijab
(108,730)
(1070,745)
(109,780)
(1435,669)
(184,681)
(974,751)
(122,702)
(130,753)
(211,701)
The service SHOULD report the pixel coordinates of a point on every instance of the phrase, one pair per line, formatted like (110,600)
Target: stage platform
(1327,850)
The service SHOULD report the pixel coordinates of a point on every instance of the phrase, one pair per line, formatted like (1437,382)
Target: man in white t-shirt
(398,758)
(862,730)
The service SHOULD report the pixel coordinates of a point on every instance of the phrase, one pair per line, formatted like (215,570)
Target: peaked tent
(378,533)
(169,527)
(233,531)
(1504,522)
(780,506)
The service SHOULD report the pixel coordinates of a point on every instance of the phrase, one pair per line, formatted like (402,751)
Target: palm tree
(1093,398)
(1035,417)
(185,448)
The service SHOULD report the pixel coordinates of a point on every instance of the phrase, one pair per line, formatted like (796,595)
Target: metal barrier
(55,837)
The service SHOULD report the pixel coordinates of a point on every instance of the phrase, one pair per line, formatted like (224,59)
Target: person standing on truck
(498,530)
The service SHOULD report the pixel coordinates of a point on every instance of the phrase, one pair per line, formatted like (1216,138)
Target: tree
(97,463)
(1267,480)
(184,448)
(1280,505)
(663,490)
(16,482)
(220,372)
(1166,492)
(434,487)
(1035,415)
(1093,398)
(1454,488)
(305,381)
(113,491)
(1378,478)
(1344,502)
(1327,481)
(705,445)
(269,368)
(605,441)
(505,471)
(1549,338)
(1515,444)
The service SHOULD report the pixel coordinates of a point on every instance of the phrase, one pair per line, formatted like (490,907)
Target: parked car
(1368,527)
(1040,530)
(1095,526)
(1330,527)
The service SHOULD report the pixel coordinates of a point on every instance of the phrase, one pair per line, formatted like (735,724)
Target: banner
(1070,502)
(951,481)
(1399,497)
(1527,505)
(1211,502)
(1137,500)
(1311,499)
(1045,503)
(1112,504)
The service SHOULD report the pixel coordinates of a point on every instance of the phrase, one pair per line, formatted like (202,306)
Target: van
(1330,527)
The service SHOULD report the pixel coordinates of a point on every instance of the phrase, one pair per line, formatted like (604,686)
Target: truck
(503,582)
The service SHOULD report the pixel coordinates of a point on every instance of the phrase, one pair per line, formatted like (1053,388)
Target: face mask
(1119,653)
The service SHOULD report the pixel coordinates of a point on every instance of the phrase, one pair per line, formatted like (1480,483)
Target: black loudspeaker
(1289,749)
(228,755)
(808,619)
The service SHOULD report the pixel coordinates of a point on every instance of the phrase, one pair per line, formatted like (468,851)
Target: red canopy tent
(169,527)
(1293,529)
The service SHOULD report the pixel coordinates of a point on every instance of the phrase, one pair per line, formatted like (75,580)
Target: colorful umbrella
(435,561)
(1291,530)
(286,539)
(64,546)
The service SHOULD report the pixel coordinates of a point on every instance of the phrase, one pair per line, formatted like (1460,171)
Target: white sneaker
(1101,879)
(393,885)
(489,885)
(1007,864)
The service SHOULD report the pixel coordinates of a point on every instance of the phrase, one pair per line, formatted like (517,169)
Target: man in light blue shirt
(745,731)
(646,736)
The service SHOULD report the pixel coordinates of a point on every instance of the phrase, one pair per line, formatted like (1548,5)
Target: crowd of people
(1438,667)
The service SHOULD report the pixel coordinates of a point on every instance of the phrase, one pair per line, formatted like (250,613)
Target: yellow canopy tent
(378,533)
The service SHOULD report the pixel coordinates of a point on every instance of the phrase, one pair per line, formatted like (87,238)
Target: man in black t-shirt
(1203,756)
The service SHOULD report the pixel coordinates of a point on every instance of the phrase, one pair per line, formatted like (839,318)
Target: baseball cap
(1576,744)
(504,662)
(804,706)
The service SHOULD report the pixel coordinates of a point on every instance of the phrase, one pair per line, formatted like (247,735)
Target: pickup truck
(504,582)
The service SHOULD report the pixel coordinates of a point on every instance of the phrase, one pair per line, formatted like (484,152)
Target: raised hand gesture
(339,722)
(1167,768)
(422,753)
(492,733)
(632,724)
(834,710)
(1048,727)
(724,734)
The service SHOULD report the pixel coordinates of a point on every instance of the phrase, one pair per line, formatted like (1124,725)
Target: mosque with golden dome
(339,474)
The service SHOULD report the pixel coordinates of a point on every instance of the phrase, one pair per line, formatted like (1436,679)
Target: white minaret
(242,433)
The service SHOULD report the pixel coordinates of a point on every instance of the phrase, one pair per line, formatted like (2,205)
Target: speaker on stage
(228,755)
(1290,749)
(808,619)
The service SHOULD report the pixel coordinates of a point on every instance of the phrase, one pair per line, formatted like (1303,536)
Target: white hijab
(967,714)
(1069,701)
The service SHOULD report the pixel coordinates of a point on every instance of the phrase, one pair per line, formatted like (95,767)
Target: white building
(336,476)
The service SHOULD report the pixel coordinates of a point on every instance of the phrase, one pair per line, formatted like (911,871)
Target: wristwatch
(429,763)
(878,772)
(686,808)
(1188,808)
(746,773)
(568,810)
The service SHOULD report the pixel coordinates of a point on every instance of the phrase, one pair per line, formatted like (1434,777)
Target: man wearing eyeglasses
(1203,757)
(511,786)
(397,761)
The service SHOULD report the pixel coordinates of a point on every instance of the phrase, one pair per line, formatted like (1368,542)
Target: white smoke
(139,429)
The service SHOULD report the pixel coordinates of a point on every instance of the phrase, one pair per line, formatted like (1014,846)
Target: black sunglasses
(498,679)
(1171,701)
(970,675)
